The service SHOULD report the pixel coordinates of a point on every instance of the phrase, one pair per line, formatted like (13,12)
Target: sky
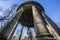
(52,9)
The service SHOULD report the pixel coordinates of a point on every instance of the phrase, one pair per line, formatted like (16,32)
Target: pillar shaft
(39,24)
(21,33)
(29,33)
(52,27)
(8,29)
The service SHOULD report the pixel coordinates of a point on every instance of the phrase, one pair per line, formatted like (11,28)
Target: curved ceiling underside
(26,19)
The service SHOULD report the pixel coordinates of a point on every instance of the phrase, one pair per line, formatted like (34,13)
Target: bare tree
(8,13)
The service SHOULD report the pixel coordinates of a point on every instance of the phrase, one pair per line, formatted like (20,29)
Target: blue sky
(52,9)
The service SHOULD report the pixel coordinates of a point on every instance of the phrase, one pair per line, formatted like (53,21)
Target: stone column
(52,27)
(21,33)
(29,33)
(8,29)
(39,25)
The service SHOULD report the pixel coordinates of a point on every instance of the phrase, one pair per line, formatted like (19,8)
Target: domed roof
(31,2)
(26,19)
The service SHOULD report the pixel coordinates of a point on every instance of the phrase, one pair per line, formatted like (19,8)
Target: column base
(46,38)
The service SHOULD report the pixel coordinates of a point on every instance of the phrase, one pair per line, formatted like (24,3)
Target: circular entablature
(26,19)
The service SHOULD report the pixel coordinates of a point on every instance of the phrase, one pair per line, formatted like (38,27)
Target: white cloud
(1,13)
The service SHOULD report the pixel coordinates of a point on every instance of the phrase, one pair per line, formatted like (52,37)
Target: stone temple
(31,14)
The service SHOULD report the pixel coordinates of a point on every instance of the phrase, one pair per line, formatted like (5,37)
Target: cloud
(1,13)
